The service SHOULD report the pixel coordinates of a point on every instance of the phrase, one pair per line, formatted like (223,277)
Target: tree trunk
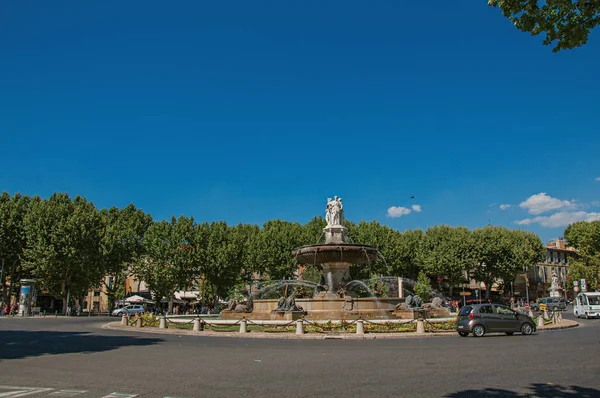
(66,302)
(488,289)
(12,283)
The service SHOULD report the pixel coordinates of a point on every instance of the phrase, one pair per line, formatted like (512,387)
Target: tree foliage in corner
(566,22)
(13,239)
(585,237)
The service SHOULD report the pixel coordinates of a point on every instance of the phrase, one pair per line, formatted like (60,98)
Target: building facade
(549,277)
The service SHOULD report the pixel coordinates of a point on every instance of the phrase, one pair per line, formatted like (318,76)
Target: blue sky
(249,111)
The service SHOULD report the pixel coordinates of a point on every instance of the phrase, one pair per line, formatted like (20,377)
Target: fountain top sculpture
(334,212)
(335,232)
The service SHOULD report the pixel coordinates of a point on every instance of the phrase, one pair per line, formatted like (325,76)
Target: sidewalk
(308,336)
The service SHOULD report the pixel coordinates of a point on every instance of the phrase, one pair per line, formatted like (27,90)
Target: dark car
(552,304)
(480,319)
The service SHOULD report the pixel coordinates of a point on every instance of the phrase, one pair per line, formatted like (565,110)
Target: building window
(96,294)
(110,282)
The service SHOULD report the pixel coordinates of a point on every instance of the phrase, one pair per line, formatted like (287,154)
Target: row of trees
(69,246)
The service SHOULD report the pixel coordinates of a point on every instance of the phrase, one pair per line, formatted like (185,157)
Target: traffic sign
(465,293)
(542,307)
(583,286)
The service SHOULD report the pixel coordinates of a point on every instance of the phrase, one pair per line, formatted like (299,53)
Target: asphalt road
(60,357)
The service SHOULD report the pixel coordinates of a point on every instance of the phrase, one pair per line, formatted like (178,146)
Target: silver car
(130,310)
(480,319)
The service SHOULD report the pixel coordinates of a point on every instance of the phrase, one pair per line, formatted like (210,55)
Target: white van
(587,305)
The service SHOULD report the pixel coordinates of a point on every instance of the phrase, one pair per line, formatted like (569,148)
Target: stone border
(567,324)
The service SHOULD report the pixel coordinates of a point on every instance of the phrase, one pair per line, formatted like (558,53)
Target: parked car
(552,304)
(130,310)
(480,319)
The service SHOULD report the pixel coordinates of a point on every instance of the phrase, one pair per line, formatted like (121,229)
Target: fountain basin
(325,307)
(335,253)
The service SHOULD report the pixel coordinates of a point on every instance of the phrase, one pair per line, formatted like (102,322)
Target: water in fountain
(358,283)
(276,288)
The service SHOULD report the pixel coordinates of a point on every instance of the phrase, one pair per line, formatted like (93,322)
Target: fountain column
(338,271)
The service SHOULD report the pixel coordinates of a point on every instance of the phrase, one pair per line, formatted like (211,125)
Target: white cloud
(395,212)
(541,203)
(597,178)
(560,219)
(504,207)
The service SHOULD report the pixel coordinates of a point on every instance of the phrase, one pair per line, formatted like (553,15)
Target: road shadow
(16,344)
(536,390)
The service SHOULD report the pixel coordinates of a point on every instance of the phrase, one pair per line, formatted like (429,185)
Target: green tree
(121,244)
(275,244)
(13,240)
(448,253)
(63,245)
(585,237)
(501,254)
(222,257)
(169,262)
(422,287)
(566,22)
(406,253)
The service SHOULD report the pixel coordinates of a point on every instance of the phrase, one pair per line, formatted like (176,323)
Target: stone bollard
(299,326)
(124,319)
(546,314)
(560,318)
(540,321)
(360,327)
(420,326)
(243,325)
(531,314)
(162,324)
(138,322)
(196,325)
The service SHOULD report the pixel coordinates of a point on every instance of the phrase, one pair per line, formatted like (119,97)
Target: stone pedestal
(360,327)
(420,326)
(299,326)
(335,234)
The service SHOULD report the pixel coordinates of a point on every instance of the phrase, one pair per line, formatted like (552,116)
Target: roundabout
(78,354)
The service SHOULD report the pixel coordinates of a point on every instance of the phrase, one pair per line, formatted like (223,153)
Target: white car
(130,310)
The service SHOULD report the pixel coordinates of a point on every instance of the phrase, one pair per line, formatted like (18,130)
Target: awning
(138,299)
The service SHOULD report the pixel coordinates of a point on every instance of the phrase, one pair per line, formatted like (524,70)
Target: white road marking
(15,392)
(119,395)
(67,393)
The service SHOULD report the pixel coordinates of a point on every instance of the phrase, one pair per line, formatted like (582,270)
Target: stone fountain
(335,257)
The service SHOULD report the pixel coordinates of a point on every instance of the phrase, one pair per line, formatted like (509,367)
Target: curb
(568,325)
(280,336)
(316,336)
